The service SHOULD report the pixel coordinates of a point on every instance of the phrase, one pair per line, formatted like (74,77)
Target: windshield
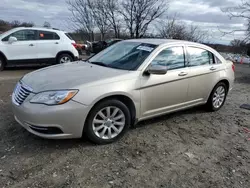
(123,55)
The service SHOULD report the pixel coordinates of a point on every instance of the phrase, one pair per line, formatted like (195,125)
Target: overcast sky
(205,13)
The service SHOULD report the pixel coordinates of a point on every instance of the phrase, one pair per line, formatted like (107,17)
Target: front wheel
(217,97)
(107,122)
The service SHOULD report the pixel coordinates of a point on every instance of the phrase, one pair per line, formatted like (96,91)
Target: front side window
(22,35)
(172,58)
(198,57)
(47,35)
(124,55)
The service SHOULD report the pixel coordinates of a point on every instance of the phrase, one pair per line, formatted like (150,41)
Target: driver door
(24,48)
(165,93)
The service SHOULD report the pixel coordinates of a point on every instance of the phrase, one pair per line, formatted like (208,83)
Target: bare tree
(172,28)
(4,26)
(82,16)
(46,24)
(238,43)
(113,15)
(241,11)
(139,14)
(100,16)
(15,23)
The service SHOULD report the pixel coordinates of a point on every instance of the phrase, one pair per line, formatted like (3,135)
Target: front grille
(20,93)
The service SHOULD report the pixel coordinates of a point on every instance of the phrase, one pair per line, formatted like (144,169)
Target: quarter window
(198,57)
(217,60)
(22,35)
(172,58)
(47,35)
(69,36)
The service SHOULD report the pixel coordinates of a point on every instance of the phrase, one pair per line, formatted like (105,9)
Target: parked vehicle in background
(29,45)
(242,59)
(112,41)
(128,82)
(97,46)
(237,58)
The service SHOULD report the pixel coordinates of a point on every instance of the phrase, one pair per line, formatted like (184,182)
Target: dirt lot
(191,148)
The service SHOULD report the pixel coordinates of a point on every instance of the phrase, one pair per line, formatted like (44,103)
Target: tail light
(233,67)
(74,44)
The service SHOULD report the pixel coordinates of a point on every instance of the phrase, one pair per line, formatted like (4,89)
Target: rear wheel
(217,97)
(64,58)
(2,63)
(107,122)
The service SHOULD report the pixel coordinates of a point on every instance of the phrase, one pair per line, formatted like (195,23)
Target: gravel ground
(191,148)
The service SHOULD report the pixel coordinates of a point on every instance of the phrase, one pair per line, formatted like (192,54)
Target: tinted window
(198,56)
(68,35)
(22,35)
(172,57)
(47,35)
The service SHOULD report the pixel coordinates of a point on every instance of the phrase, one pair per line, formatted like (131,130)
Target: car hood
(70,76)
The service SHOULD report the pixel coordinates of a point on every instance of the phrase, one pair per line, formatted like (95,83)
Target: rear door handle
(183,74)
(31,45)
(212,68)
(56,42)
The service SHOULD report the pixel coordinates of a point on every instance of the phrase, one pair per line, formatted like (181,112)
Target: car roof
(162,41)
(40,28)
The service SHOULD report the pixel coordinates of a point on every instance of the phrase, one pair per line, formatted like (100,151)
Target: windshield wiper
(98,63)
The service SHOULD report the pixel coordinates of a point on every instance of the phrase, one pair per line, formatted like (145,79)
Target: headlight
(53,97)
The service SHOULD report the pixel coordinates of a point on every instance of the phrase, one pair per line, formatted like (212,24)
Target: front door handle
(212,68)
(31,45)
(56,42)
(183,74)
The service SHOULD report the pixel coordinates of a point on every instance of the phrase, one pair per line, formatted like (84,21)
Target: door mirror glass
(157,69)
(12,39)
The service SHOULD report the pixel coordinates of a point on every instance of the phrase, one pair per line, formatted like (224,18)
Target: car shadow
(33,141)
(29,67)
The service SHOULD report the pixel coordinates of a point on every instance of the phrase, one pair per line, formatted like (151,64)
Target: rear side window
(22,35)
(172,58)
(198,57)
(47,35)
(68,35)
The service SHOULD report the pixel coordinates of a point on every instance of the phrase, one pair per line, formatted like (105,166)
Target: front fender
(91,95)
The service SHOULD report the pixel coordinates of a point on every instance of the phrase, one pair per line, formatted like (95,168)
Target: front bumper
(68,117)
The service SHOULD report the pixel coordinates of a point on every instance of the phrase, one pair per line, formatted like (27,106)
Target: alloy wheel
(65,59)
(219,96)
(108,122)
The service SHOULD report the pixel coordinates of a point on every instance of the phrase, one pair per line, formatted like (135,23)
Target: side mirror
(12,39)
(157,69)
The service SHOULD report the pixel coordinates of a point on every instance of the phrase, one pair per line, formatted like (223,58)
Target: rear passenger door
(204,72)
(47,44)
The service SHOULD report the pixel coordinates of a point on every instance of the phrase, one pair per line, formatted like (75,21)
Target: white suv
(26,45)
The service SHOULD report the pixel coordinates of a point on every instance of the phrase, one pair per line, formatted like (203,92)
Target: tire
(64,58)
(211,104)
(2,63)
(105,132)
